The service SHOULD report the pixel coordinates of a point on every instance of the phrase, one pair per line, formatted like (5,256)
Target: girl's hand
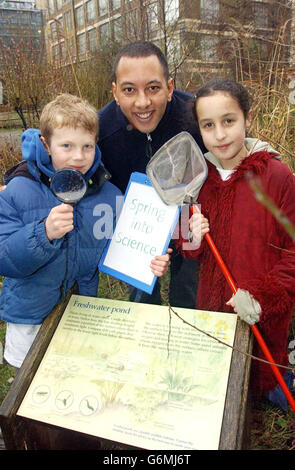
(199,226)
(2,188)
(231,303)
(160,264)
(59,221)
(244,304)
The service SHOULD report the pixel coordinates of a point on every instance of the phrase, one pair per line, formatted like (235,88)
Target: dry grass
(274,119)
(9,155)
(272,428)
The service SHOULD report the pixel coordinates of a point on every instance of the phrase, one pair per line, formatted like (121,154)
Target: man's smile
(144,115)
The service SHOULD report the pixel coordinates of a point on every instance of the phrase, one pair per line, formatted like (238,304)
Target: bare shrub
(9,156)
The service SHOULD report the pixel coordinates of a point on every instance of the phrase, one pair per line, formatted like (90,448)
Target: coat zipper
(149,149)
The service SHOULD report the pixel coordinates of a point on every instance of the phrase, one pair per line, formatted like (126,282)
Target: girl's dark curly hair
(233,88)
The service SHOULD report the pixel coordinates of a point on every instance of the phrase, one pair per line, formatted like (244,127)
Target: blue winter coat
(38,272)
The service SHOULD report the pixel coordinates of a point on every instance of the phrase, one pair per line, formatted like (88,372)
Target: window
(173,50)
(61,25)
(53,30)
(15,18)
(71,46)
(171,11)
(209,9)
(81,43)
(55,52)
(260,14)
(92,40)
(259,49)
(26,17)
(37,19)
(117,27)
(5,16)
(131,22)
(102,7)
(209,48)
(90,11)
(116,4)
(63,50)
(68,20)
(79,13)
(51,7)
(104,32)
(152,16)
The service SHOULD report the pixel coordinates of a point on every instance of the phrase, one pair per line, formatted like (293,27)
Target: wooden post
(235,424)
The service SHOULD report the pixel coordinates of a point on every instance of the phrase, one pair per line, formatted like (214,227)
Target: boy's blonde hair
(67,110)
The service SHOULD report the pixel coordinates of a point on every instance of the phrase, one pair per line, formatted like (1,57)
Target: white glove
(248,309)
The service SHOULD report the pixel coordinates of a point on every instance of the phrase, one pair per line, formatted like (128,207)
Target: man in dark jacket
(145,113)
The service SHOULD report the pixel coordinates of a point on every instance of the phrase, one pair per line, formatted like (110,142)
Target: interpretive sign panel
(135,374)
(143,231)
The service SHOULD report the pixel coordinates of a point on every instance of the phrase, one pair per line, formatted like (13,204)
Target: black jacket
(125,149)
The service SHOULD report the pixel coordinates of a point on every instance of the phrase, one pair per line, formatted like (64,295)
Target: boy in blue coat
(45,246)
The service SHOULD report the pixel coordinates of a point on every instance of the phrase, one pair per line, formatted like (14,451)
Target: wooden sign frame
(26,434)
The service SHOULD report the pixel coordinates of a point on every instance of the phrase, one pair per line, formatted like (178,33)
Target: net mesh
(178,170)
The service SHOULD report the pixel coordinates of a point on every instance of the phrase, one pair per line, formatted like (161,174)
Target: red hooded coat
(256,249)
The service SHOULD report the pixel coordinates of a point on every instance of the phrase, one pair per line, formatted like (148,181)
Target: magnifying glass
(68,185)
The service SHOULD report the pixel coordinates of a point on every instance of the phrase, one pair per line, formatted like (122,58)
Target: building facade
(197,36)
(21,20)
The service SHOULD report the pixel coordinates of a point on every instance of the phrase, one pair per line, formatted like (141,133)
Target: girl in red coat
(255,247)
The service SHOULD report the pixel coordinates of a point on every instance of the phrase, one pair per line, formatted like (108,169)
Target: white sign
(130,373)
(143,231)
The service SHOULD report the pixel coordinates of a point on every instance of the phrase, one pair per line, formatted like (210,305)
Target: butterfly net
(178,170)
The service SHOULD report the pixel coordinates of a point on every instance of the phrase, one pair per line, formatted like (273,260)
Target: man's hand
(59,221)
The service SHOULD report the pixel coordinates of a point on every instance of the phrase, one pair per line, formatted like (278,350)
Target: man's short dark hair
(141,49)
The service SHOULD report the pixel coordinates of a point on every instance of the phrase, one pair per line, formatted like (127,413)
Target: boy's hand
(59,221)
(160,264)
(199,226)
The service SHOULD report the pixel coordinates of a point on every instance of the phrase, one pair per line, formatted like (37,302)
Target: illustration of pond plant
(178,385)
(108,391)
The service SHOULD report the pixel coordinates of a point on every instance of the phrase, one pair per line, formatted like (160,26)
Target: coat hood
(252,145)
(33,151)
